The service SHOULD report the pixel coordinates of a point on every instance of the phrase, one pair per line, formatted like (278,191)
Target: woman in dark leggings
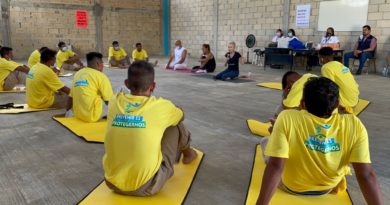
(207,61)
(233,59)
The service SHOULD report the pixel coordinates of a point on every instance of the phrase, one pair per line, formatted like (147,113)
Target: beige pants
(123,62)
(175,140)
(61,101)
(14,78)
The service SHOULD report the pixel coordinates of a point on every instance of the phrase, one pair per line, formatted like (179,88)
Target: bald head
(178,43)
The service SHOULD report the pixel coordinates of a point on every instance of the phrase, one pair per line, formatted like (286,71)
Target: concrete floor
(43,163)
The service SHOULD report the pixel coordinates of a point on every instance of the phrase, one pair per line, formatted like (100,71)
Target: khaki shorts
(175,140)
(62,100)
(14,78)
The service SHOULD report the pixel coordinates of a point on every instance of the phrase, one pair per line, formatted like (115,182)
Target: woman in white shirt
(278,35)
(330,39)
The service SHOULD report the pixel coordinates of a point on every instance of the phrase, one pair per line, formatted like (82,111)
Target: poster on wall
(302,18)
(81,19)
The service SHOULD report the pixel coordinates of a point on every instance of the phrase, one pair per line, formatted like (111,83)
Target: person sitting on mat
(341,75)
(44,89)
(117,56)
(233,59)
(207,61)
(66,59)
(144,137)
(317,144)
(35,57)
(178,59)
(139,54)
(11,73)
(90,88)
(364,49)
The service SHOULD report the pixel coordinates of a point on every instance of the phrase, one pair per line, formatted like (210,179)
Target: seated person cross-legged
(178,59)
(11,73)
(342,76)
(139,54)
(66,59)
(207,61)
(44,89)
(35,57)
(364,49)
(317,144)
(117,56)
(90,88)
(144,136)
(232,61)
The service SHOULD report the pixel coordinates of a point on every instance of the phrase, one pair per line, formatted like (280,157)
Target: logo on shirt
(128,121)
(129,106)
(30,75)
(78,83)
(321,143)
(345,70)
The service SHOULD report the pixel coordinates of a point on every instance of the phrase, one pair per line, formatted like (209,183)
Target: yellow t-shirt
(318,150)
(41,84)
(34,58)
(89,88)
(348,87)
(139,56)
(135,127)
(6,67)
(295,95)
(63,56)
(118,55)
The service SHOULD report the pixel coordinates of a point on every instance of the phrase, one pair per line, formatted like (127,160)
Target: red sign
(81,19)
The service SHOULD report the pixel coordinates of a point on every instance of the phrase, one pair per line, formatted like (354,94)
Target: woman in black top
(232,60)
(207,61)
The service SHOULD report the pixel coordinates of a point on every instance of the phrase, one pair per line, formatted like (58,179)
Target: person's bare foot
(189,155)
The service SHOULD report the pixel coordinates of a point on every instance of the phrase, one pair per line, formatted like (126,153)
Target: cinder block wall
(37,23)
(238,18)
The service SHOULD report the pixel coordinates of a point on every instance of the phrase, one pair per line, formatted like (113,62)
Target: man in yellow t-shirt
(43,87)
(11,73)
(317,144)
(35,57)
(67,59)
(117,56)
(90,88)
(341,75)
(143,137)
(139,54)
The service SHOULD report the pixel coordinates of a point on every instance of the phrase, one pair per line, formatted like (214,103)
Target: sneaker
(201,71)
(359,72)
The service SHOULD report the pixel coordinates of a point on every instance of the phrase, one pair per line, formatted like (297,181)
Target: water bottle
(385,72)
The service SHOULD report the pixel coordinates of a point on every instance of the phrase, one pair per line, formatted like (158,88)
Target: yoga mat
(90,132)
(174,191)
(281,197)
(15,90)
(272,85)
(26,109)
(238,80)
(184,70)
(259,128)
(361,106)
(65,75)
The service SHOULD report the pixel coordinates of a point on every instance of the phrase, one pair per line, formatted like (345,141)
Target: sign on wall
(81,19)
(302,17)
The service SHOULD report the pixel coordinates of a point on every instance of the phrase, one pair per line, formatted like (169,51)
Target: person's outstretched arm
(271,179)
(368,183)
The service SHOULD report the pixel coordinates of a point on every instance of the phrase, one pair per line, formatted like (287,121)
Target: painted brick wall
(238,18)
(128,21)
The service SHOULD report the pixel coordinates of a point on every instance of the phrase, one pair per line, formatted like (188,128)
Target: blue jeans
(362,58)
(227,74)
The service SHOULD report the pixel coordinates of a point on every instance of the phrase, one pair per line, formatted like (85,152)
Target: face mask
(64,48)
(116,48)
(278,34)
(289,34)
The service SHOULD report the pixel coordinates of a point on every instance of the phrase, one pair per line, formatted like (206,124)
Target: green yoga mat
(238,80)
